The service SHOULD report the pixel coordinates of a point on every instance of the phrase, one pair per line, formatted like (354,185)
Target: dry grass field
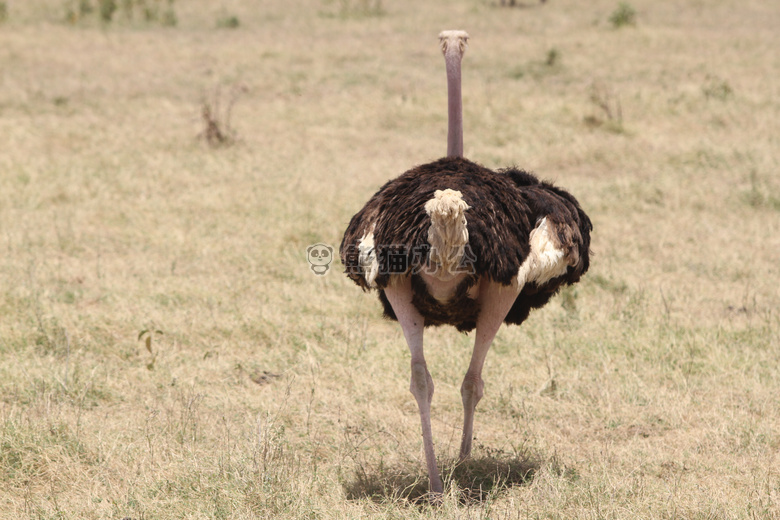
(166,352)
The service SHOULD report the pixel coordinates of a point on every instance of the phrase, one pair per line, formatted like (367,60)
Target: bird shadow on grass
(473,480)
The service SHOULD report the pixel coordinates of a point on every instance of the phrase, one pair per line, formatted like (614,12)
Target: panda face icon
(319,256)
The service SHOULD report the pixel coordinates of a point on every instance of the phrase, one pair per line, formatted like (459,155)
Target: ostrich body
(452,242)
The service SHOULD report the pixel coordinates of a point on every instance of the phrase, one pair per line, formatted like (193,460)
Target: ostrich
(452,242)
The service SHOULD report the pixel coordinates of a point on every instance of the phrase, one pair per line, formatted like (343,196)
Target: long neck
(454,104)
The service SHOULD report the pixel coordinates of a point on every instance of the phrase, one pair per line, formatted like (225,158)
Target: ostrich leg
(400,297)
(496,301)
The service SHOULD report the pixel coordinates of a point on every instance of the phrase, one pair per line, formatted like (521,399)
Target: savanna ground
(167,353)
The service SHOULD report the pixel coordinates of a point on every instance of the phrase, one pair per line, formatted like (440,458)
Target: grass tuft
(350,9)
(107,12)
(623,15)
(717,88)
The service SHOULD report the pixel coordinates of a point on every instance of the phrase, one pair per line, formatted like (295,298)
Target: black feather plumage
(505,206)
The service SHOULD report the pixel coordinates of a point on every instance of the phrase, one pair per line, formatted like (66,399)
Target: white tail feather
(448,234)
(367,258)
(546,259)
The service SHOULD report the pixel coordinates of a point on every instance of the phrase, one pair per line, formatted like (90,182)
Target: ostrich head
(453,46)
(454,42)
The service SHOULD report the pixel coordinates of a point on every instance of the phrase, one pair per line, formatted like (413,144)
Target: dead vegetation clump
(217,129)
(610,110)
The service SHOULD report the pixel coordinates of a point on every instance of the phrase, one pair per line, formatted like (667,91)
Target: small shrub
(169,18)
(623,15)
(538,69)
(716,88)
(76,11)
(153,12)
(760,196)
(107,9)
(85,7)
(228,22)
(517,72)
(553,57)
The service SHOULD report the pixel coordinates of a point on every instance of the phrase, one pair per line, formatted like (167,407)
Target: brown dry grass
(648,391)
